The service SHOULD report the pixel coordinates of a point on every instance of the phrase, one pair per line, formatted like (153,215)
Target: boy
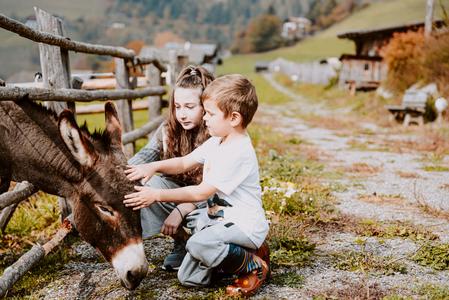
(234,222)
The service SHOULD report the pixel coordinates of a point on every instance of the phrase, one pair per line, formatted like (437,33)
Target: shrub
(404,56)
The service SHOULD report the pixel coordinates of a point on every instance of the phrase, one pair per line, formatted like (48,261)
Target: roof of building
(195,52)
(366,33)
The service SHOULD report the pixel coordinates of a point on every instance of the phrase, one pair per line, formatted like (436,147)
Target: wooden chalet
(365,69)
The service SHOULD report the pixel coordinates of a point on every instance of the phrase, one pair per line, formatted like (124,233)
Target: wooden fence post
(55,67)
(154,78)
(124,106)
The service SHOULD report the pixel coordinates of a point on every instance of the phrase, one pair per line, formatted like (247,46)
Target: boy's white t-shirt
(233,169)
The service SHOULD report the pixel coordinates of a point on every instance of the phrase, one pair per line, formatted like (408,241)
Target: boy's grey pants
(206,249)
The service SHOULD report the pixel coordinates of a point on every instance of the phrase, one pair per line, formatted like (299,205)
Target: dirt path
(379,185)
(374,184)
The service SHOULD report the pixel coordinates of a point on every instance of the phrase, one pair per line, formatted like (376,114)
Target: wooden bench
(412,108)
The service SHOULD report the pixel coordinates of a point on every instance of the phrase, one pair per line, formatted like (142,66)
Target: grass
(434,255)
(436,168)
(364,261)
(289,279)
(292,195)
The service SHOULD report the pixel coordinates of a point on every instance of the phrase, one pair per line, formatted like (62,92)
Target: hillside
(324,44)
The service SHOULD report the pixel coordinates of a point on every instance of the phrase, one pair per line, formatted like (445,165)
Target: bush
(404,56)
(412,58)
(436,62)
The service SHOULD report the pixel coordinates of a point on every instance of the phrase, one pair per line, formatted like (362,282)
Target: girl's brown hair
(181,142)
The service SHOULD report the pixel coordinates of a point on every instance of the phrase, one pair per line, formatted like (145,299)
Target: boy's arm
(146,196)
(170,166)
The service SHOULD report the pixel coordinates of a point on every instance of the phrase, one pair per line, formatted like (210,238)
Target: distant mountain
(116,22)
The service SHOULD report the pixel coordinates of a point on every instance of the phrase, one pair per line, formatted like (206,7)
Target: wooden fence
(60,91)
(311,72)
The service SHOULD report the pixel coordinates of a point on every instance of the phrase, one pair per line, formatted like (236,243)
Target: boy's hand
(145,171)
(145,196)
(172,222)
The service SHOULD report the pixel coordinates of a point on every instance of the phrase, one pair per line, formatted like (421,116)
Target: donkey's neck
(38,153)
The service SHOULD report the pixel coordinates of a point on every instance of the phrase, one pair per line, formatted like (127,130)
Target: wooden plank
(154,102)
(124,106)
(109,83)
(71,95)
(55,66)
(141,132)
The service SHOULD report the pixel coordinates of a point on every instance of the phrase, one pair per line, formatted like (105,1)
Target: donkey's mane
(98,137)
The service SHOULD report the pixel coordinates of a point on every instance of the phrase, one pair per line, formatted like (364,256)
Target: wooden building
(365,69)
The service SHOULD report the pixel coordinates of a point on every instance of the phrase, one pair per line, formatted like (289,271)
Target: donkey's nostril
(134,277)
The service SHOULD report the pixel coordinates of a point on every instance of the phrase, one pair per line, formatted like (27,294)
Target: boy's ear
(236,119)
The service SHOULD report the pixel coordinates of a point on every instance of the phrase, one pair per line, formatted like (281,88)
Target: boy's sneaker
(173,261)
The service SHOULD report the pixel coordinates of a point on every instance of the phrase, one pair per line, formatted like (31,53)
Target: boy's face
(216,122)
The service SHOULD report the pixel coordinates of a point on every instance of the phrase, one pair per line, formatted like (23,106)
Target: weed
(434,255)
(432,291)
(288,243)
(364,261)
(395,229)
(290,279)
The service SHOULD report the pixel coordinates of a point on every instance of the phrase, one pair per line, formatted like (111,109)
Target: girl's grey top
(152,150)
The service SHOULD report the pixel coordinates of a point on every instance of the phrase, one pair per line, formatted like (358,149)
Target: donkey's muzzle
(130,265)
(134,278)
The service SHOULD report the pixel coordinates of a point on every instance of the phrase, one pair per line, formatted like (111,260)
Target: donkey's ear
(113,126)
(80,147)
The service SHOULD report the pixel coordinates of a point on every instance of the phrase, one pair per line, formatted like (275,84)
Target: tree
(264,33)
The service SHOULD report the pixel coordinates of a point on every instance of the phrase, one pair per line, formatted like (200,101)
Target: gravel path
(88,278)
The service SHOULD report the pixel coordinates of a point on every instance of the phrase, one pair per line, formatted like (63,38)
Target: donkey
(60,158)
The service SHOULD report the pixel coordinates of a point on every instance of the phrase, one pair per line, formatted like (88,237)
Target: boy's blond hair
(233,93)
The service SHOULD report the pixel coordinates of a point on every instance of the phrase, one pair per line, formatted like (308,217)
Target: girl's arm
(145,196)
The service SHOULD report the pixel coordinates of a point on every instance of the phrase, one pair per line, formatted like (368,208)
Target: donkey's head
(99,214)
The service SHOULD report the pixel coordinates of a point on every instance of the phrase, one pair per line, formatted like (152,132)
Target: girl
(183,131)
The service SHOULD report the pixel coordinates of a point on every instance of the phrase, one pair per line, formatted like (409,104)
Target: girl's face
(188,109)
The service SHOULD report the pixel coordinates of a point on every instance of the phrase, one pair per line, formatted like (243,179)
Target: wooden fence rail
(20,193)
(63,42)
(74,95)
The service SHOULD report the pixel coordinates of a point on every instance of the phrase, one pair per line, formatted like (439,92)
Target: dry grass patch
(426,139)
(408,175)
(428,209)
(331,122)
(445,187)
(383,199)
(363,168)
(351,290)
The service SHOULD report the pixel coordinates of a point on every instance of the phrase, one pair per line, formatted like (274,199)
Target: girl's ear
(236,119)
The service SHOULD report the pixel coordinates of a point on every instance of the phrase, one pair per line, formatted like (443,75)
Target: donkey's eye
(105,210)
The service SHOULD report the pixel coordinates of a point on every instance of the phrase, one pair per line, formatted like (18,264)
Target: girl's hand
(172,223)
(145,171)
(145,196)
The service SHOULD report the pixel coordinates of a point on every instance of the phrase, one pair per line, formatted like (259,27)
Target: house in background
(296,28)
(177,55)
(365,69)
